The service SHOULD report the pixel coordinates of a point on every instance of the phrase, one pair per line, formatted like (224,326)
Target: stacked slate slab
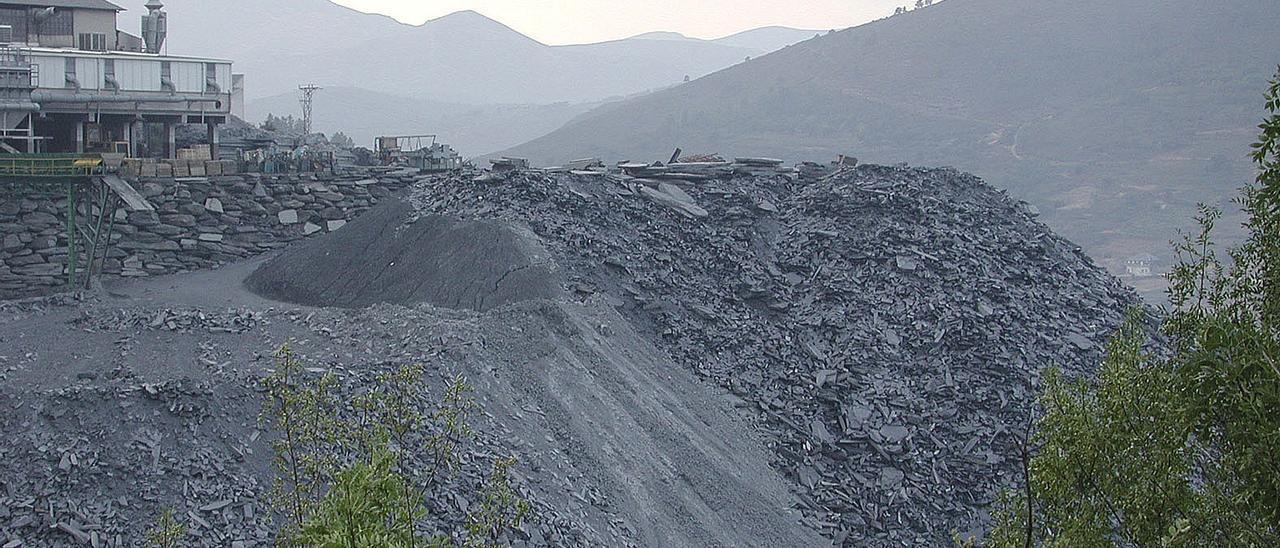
(196,223)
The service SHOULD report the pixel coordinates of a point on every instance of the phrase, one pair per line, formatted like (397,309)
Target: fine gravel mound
(885,325)
(391,255)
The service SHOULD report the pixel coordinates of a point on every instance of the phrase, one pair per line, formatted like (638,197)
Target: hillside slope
(1114,118)
(767,38)
(761,39)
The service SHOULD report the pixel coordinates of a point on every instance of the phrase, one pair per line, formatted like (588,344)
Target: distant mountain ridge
(1115,119)
(463,57)
(466,57)
(764,39)
(237,29)
(768,39)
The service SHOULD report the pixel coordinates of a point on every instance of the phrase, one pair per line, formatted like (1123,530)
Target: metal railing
(49,165)
(11,56)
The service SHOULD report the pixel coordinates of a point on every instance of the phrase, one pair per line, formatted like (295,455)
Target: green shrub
(1178,450)
(343,477)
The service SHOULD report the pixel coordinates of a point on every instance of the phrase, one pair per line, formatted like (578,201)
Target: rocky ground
(748,359)
(887,325)
(144,396)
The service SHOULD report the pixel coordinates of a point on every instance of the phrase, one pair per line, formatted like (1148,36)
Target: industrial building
(78,97)
(72,82)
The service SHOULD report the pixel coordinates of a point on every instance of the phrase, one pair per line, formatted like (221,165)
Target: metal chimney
(155,26)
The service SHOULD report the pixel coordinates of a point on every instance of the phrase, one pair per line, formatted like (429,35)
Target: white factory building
(71,82)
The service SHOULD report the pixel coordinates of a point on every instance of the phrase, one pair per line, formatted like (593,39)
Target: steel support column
(170,140)
(80,137)
(71,234)
(213,141)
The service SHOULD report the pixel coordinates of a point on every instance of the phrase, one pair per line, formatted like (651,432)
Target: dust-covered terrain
(145,397)
(759,359)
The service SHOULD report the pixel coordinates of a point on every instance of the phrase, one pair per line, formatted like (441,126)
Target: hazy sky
(580,21)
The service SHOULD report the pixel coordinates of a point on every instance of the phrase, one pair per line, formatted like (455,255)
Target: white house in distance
(1142,266)
(72,82)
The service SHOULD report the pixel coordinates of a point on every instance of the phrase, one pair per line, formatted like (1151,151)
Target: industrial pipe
(47,97)
(18,106)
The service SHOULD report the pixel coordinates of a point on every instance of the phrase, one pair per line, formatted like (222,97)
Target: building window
(211,78)
(16,18)
(109,74)
(93,41)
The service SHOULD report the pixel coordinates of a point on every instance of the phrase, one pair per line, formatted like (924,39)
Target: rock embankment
(197,223)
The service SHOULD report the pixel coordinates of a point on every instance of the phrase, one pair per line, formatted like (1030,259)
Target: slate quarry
(648,342)
(886,326)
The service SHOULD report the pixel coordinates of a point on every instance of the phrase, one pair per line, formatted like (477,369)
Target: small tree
(284,124)
(307,454)
(341,140)
(167,532)
(369,505)
(344,477)
(500,510)
(1181,450)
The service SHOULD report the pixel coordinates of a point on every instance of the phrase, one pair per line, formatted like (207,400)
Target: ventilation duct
(155,27)
(43,14)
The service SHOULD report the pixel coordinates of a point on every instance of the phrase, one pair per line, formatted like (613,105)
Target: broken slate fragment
(891,478)
(894,433)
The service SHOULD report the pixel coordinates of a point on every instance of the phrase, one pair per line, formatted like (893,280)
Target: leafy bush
(369,505)
(501,509)
(1178,450)
(167,532)
(343,474)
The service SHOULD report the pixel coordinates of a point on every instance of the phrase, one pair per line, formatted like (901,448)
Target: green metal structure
(77,178)
(49,165)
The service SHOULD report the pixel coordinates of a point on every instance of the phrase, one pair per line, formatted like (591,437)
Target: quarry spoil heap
(885,325)
(668,351)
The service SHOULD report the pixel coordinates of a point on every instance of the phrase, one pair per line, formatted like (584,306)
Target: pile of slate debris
(90,464)
(887,324)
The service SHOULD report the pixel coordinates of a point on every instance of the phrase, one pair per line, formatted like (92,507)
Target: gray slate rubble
(887,325)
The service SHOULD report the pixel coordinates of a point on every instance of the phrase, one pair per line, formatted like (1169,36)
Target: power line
(308,96)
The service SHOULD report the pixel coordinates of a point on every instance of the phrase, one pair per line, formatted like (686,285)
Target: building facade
(71,82)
